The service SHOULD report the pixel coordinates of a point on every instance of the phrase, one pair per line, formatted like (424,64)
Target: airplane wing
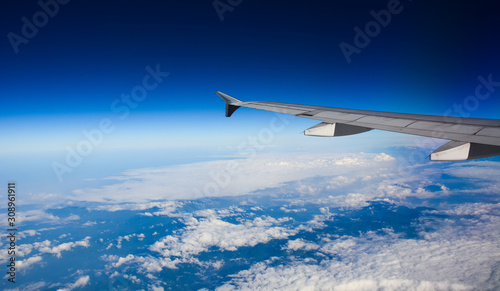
(470,138)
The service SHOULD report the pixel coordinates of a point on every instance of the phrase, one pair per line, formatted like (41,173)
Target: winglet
(230,103)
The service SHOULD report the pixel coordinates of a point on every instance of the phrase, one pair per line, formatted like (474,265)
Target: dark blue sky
(88,53)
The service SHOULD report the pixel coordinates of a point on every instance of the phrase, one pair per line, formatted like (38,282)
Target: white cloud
(476,209)
(339,181)
(350,161)
(28,262)
(202,234)
(132,278)
(294,210)
(230,177)
(89,223)
(72,217)
(339,246)
(166,208)
(36,215)
(387,189)
(81,282)
(27,233)
(155,288)
(455,257)
(30,287)
(371,175)
(318,220)
(382,157)
(120,239)
(122,260)
(351,200)
(307,189)
(484,175)
(367,262)
(44,247)
(300,244)
(476,170)
(409,265)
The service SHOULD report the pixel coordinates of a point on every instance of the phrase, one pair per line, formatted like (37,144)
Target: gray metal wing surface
(470,138)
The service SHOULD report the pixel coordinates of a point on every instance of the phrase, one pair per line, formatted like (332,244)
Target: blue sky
(65,79)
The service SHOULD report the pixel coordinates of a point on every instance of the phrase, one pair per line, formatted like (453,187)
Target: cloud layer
(230,177)
(455,258)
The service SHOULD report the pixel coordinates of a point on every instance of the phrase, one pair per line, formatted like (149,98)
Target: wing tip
(230,103)
(227,98)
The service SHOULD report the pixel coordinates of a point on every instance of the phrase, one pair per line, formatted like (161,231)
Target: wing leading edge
(470,138)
